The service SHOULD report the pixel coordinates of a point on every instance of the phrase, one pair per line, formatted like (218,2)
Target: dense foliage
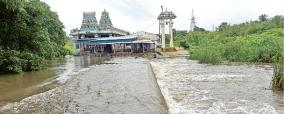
(30,33)
(254,41)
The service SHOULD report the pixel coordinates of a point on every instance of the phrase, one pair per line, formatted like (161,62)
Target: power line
(150,25)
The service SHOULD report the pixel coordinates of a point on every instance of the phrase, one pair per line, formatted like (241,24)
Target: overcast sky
(141,15)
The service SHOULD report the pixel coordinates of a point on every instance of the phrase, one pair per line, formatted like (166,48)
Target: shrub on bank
(184,44)
(209,53)
(255,48)
(12,61)
(262,47)
(277,80)
(69,48)
(30,61)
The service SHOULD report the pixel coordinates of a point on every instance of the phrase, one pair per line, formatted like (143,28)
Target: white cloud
(135,15)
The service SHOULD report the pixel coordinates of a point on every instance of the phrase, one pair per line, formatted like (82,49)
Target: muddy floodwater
(190,87)
(14,87)
(131,85)
(118,86)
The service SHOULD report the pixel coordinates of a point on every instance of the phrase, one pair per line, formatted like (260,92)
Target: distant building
(147,36)
(102,37)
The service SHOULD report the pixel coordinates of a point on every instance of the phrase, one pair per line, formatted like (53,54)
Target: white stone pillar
(171,33)
(163,25)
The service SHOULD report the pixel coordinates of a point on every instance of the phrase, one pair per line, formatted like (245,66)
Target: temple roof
(167,15)
(89,21)
(105,21)
(90,25)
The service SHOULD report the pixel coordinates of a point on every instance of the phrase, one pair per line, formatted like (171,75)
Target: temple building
(103,37)
(91,29)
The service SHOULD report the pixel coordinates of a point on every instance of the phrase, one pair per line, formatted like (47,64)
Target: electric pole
(193,22)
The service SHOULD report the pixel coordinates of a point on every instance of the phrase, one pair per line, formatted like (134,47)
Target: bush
(69,48)
(209,52)
(261,47)
(30,61)
(184,44)
(255,48)
(10,61)
(277,80)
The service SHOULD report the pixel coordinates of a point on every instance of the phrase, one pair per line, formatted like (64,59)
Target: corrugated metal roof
(118,38)
(143,41)
(115,40)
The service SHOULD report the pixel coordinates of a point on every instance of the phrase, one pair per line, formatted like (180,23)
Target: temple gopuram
(103,38)
(90,27)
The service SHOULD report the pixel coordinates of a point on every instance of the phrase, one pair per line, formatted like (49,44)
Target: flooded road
(121,86)
(190,87)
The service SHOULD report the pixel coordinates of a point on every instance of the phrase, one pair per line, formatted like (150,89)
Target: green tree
(223,26)
(30,32)
(263,17)
(196,28)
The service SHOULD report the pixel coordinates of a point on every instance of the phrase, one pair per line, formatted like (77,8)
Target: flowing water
(123,85)
(190,87)
(14,87)
(126,85)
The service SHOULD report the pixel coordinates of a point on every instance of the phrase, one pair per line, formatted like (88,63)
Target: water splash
(192,88)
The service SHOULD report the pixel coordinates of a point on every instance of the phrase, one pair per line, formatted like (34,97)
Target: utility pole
(160,22)
(163,25)
(171,33)
(193,22)
(213,28)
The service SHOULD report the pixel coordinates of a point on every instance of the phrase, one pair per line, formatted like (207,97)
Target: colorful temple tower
(89,21)
(105,22)
(91,29)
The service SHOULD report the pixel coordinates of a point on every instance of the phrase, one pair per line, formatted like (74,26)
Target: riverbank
(121,85)
(190,87)
(15,87)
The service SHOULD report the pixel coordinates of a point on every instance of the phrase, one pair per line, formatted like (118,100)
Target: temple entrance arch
(166,18)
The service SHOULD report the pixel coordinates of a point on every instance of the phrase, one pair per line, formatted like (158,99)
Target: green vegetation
(69,48)
(30,33)
(254,41)
(277,81)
